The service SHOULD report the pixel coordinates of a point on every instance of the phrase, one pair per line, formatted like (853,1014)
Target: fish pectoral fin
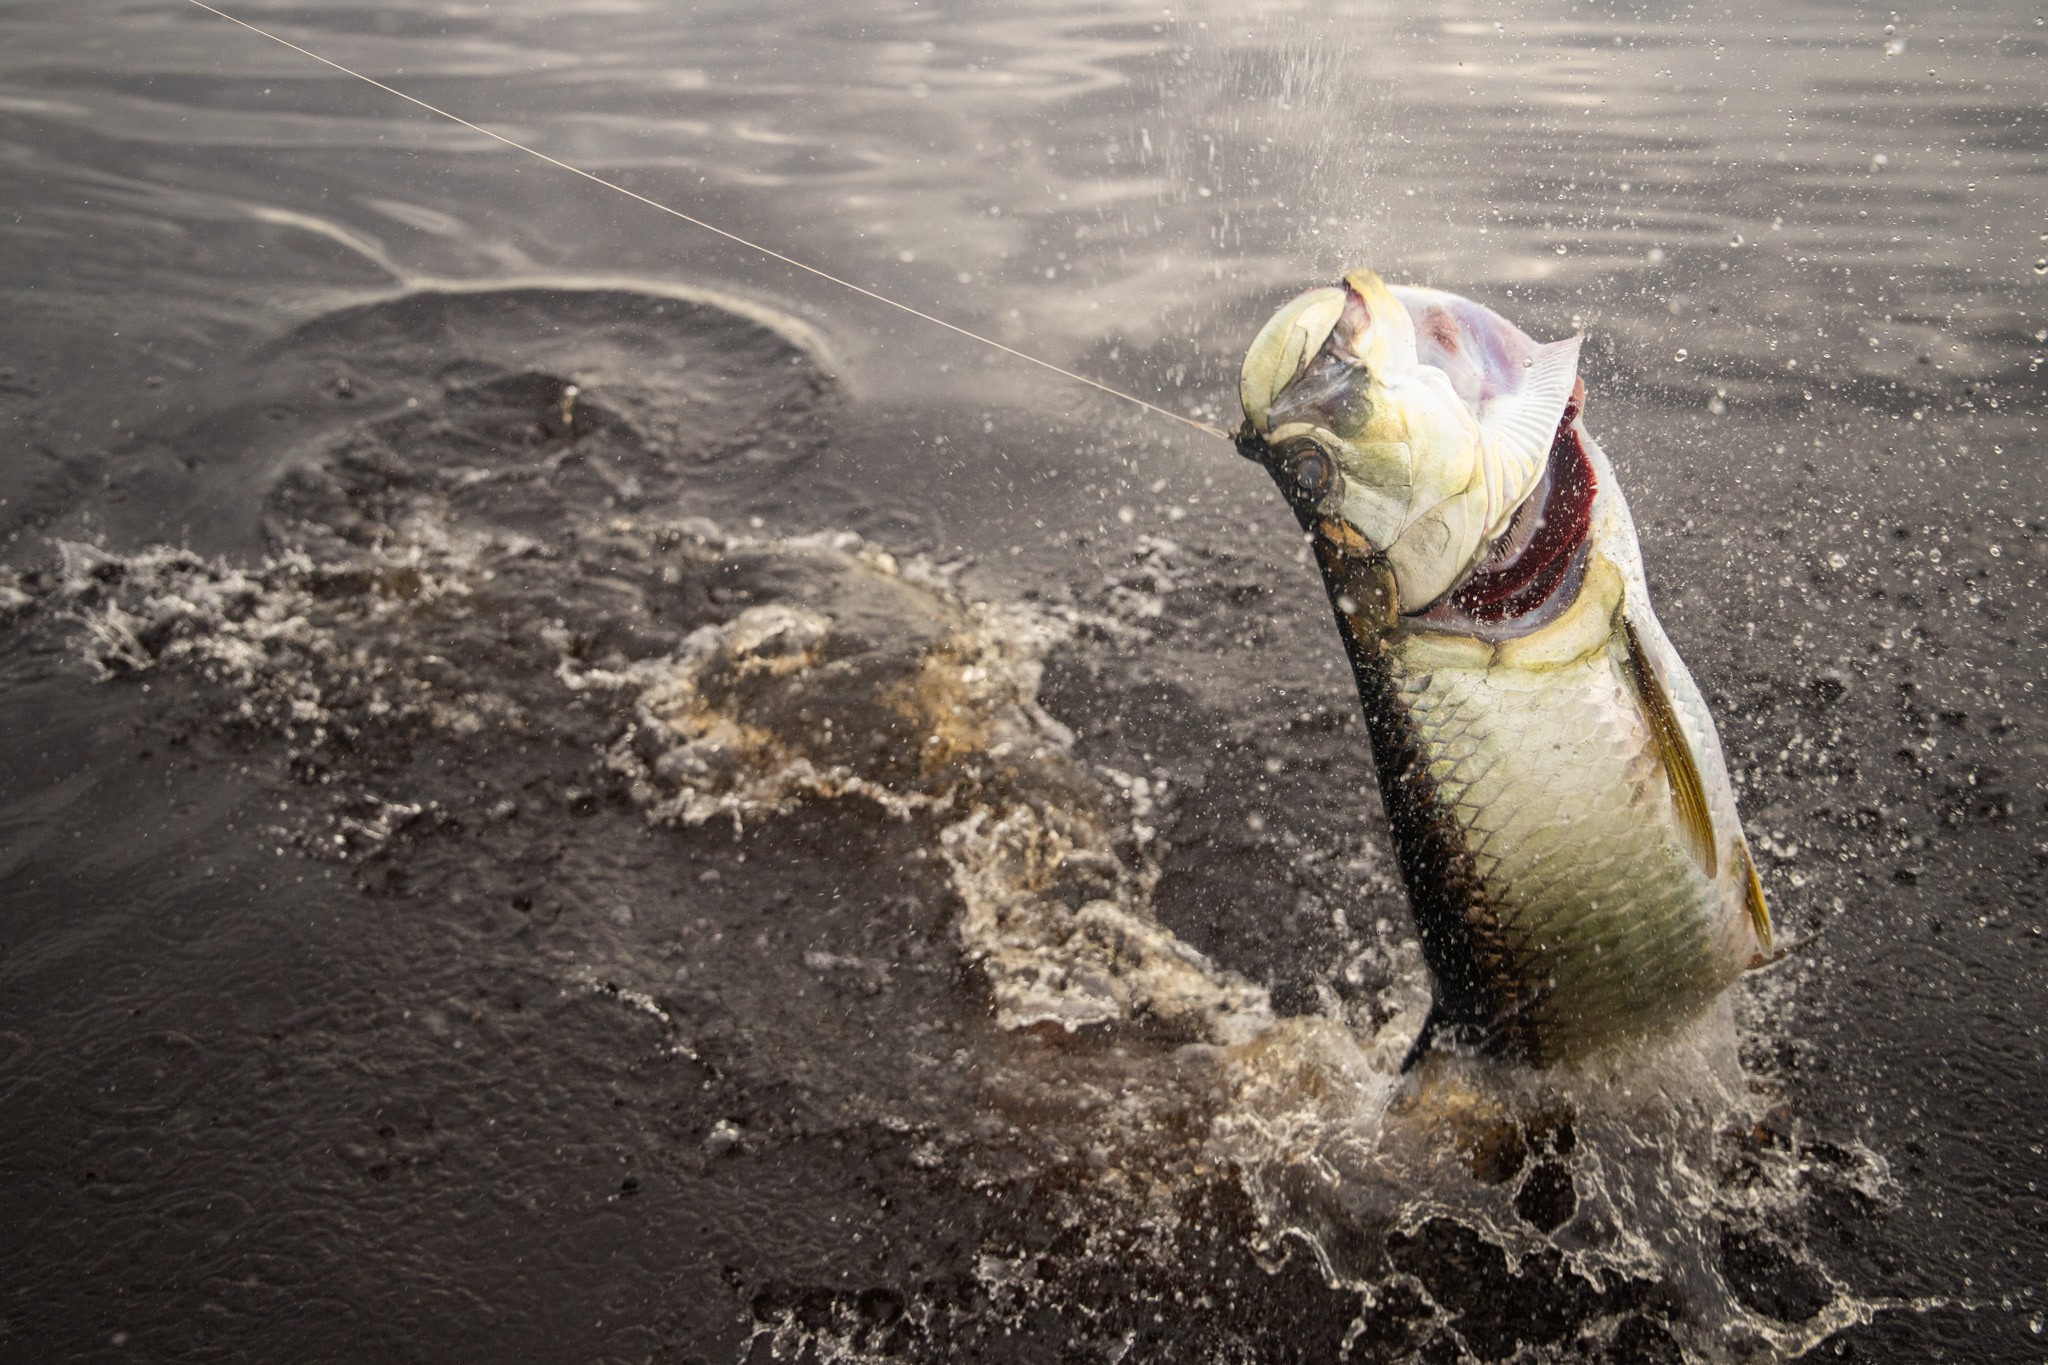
(1688,797)
(1753,894)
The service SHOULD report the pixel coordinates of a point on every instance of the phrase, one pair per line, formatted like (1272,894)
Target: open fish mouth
(1526,574)
(1563,816)
(1426,425)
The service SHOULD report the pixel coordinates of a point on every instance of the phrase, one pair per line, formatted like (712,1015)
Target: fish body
(1554,783)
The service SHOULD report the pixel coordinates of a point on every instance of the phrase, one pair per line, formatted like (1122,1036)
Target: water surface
(309,1051)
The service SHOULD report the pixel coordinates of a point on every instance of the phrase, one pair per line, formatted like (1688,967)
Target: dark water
(440,922)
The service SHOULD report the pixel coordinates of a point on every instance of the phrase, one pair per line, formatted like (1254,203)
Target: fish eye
(1311,470)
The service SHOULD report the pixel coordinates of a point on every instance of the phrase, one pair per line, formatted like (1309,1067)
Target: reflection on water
(1805,247)
(1815,184)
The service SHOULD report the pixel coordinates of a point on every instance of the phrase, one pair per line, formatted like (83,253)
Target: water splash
(1649,1187)
(706,678)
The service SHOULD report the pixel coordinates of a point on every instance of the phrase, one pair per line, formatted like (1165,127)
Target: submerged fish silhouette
(1555,786)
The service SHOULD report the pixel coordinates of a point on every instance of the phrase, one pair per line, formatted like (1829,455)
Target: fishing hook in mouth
(751,245)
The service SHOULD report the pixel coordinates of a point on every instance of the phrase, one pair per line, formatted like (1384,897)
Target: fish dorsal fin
(1516,430)
(1688,797)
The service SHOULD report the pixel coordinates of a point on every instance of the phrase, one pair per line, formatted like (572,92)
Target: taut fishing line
(712,228)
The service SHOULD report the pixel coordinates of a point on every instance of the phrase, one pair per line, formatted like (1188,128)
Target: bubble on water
(2041,265)
(725,1137)
(1681,354)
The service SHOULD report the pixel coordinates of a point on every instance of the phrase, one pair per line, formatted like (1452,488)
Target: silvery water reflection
(1796,185)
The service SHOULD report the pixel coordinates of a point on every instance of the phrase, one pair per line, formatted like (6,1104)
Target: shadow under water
(530,903)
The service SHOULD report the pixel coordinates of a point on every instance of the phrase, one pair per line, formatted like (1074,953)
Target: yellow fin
(1688,798)
(1753,892)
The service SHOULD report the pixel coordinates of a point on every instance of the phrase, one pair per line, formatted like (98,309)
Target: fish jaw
(1340,385)
(1283,348)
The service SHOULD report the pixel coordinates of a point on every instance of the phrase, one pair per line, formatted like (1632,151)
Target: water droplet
(1561,250)
(2041,265)
(1736,240)
(1681,354)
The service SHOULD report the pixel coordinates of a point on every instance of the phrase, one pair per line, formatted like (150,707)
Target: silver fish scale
(1596,916)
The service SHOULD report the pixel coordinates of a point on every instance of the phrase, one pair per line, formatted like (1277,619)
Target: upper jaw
(1283,349)
(1318,349)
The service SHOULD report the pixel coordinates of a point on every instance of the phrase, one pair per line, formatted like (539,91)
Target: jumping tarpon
(1555,786)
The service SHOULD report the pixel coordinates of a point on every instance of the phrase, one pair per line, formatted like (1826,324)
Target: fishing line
(769,252)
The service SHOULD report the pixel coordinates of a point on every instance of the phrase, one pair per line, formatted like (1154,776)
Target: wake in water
(488,613)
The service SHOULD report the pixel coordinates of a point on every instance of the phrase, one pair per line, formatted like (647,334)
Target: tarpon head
(1404,428)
